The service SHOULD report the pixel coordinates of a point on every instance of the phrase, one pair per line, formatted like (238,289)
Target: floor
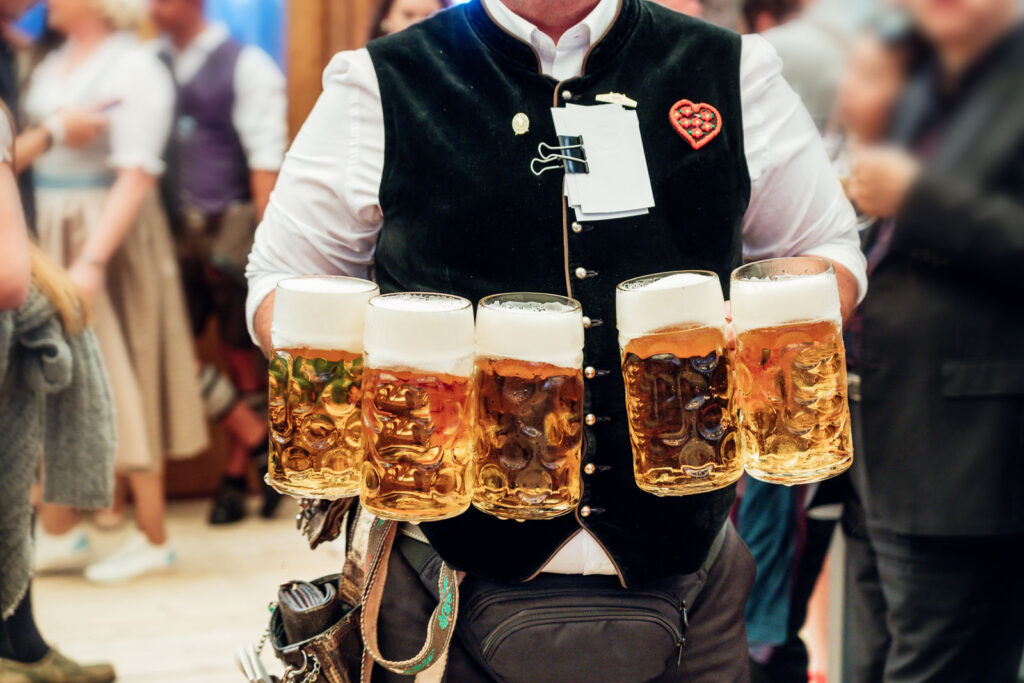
(185,625)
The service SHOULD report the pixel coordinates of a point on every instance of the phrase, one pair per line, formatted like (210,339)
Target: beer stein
(676,369)
(416,406)
(794,417)
(316,370)
(528,431)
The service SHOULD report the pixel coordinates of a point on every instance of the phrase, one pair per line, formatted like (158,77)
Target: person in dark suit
(941,471)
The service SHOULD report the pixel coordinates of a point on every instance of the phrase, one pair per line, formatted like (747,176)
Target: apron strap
(428,664)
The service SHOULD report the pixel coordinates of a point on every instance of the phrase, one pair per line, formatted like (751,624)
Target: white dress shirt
(260,110)
(325,215)
(120,70)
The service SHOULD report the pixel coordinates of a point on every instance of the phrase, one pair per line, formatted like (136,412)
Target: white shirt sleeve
(141,124)
(324,213)
(6,137)
(260,110)
(797,205)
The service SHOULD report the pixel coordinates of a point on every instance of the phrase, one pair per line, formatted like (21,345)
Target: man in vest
(229,142)
(415,164)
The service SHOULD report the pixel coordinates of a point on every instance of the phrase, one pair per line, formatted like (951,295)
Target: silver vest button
(585,511)
(581,273)
(566,94)
(590,419)
(589,372)
(586,321)
(576,227)
(589,468)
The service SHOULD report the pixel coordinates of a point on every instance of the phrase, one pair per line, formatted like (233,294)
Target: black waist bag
(566,629)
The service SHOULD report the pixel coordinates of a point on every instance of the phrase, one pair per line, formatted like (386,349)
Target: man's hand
(880,179)
(82,125)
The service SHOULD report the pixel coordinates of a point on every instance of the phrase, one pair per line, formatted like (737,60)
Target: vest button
(585,511)
(576,227)
(589,468)
(566,94)
(586,321)
(581,273)
(590,419)
(589,372)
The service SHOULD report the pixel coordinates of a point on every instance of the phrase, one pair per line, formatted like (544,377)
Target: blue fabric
(252,22)
(85,182)
(767,524)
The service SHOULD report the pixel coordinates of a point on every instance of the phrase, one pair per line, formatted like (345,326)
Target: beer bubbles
(528,436)
(794,416)
(676,370)
(315,379)
(416,407)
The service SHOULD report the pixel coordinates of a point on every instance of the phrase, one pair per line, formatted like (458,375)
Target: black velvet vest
(463,214)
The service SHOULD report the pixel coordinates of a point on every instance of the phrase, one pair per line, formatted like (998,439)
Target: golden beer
(315,423)
(417,444)
(791,395)
(416,407)
(678,381)
(316,371)
(678,401)
(790,371)
(528,436)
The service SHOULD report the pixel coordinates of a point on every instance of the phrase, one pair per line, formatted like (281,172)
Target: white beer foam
(321,313)
(774,301)
(417,331)
(534,331)
(681,299)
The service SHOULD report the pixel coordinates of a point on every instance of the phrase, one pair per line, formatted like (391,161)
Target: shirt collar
(593,26)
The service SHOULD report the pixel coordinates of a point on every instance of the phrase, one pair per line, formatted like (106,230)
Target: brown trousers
(716,638)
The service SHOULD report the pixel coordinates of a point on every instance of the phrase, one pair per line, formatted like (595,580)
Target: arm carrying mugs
(528,431)
(416,406)
(315,379)
(794,417)
(678,382)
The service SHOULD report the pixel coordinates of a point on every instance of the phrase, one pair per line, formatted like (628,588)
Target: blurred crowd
(133,174)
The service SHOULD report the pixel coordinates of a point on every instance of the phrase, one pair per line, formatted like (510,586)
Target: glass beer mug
(528,432)
(794,417)
(416,406)
(676,369)
(316,369)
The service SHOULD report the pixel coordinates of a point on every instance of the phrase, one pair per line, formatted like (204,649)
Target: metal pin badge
(616,98)
(521,123)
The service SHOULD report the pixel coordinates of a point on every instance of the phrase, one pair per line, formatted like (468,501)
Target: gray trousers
(716,638)
(922,609)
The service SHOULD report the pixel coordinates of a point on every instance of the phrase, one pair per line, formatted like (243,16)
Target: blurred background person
(869,90)
(46,358)
(391,16)
(98,214)
(942,365)
(812,44)
(692,7)
(228,144)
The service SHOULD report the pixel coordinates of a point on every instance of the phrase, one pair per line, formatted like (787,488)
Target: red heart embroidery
(697,122)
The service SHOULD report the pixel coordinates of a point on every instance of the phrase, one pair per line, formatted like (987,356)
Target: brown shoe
(55,668)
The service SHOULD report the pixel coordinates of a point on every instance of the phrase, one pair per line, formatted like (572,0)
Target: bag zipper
(512,593)
(562,615)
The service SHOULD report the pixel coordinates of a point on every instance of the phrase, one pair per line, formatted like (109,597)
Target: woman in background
(391,16)
(99,216)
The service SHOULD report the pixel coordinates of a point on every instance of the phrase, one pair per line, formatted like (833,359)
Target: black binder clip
(570,152)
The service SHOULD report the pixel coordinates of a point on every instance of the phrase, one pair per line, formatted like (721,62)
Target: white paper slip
(617,182)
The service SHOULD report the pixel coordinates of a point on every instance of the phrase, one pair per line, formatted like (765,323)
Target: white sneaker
(71,550)
(133,559)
